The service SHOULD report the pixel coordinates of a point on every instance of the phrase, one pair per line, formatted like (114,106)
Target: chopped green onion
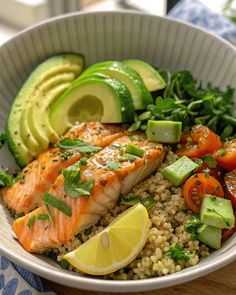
(31,221)
(42,216)
(49,213)
(134,150)
(57,203)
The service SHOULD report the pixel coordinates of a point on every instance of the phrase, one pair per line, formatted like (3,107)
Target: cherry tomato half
(199,185)
(226,157)
(202,141)
(230,186)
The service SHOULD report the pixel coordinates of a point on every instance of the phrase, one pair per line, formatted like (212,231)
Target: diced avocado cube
(134,150)
(217,212)
(164,131)
(209,235)
(179,171)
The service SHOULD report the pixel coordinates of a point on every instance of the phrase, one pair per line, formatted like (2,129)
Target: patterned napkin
(197,13)
(14,280)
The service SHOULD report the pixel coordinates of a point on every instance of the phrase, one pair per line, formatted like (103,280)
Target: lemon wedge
(115,246)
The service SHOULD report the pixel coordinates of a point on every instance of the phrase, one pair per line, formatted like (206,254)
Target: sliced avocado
(46,91)
(164,131)
(217,212)
(38,116)
(179,171)
(59,64)
(151,78)
(140,94)
(210,235)
(97,98)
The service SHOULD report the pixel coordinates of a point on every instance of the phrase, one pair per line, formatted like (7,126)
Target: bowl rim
(88,283)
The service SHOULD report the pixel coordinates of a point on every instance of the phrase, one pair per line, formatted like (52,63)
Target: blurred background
(16,15)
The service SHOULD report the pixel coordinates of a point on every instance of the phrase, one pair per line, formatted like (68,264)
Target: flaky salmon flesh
(37,178)
(113,173)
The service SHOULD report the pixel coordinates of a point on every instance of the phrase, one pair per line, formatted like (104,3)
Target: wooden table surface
(220,282)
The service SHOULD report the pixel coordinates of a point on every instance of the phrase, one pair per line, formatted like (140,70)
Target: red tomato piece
(203,141)
(199,185)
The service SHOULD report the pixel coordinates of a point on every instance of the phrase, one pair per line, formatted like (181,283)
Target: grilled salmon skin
(37,178)
(114,173)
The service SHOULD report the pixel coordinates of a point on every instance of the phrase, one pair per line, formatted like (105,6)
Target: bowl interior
(111,36)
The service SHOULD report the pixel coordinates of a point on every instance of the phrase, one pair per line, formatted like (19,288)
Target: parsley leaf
(113,165)
(209,161)
(177,253)
(192,226)
(2,139)
(76,145)
(6,179)
(73,185)
(131,200)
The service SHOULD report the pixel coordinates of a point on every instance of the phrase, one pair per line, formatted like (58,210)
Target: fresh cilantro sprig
(185,99)
(73,185)
(131,200)
(76,145)
(6,179)
(193,225)
(177,253)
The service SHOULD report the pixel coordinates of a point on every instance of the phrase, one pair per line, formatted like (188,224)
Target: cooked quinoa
(168,217)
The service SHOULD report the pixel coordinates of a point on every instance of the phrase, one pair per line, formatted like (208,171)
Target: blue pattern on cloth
(14,280)
(197,13)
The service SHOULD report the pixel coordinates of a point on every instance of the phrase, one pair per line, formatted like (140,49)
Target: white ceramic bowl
(102,36)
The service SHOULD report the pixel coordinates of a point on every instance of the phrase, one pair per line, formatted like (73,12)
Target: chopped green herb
(148,202)
(31,221)
(77,145)
(177,253)
(113,165)
(2,139)
(129,200)
(49,213)
(73,185)
(64,264)
(42,216)
(6,179)
(127,158)
(57,203)
(132,200)
(186,100)
(222,152)
(207,175)
(134,150)
(83,161)
(66,155)
(209,161)
(192,226)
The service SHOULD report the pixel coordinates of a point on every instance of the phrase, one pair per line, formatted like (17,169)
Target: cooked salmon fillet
(110,181)
(37,178)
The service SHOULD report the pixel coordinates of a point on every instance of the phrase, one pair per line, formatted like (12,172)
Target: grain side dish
(127,171)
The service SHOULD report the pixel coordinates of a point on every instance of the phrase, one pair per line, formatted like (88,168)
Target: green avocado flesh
(96,98)
(28,129)
(151,78)
(139,93)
